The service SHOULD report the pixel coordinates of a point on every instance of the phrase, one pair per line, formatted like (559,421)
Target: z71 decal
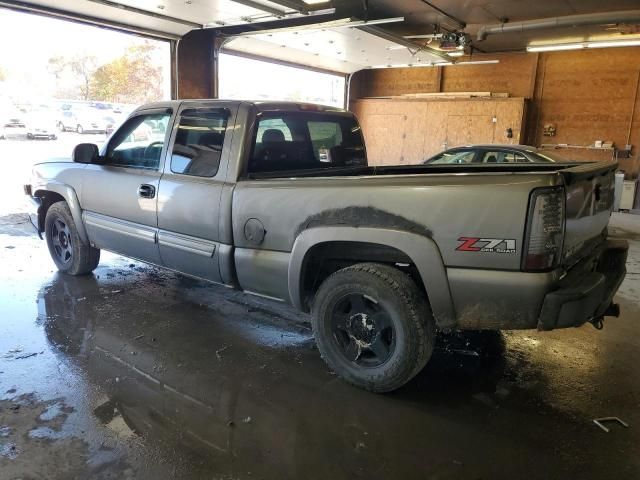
(495,245)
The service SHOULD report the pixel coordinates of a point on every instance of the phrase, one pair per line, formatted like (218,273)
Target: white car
(12,124)
(41,124)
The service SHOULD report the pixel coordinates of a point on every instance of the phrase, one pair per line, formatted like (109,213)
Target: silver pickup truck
(277,199)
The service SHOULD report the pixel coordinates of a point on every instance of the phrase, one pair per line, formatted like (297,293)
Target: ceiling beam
(461,25)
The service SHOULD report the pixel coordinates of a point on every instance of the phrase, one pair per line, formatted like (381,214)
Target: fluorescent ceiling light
(455,54)
(315,2)
(614,43)
(553,48)
(410,65)
(477,62)
(379,21)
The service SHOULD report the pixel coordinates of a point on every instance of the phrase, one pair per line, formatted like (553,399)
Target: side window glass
(493,157)
(138,143)
(503,157)
(198,145)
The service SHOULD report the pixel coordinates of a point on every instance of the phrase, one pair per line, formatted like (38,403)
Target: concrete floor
(138,373)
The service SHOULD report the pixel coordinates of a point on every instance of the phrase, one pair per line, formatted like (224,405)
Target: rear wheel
(373,326)
(65,247)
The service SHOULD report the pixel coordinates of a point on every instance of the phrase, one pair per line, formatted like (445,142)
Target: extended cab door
(191,188)
(119,196)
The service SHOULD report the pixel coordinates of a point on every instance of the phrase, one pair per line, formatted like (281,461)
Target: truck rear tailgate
(589,201)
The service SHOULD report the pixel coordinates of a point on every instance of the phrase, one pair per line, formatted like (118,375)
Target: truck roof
(262,105)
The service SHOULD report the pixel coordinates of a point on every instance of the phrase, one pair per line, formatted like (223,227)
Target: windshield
(306,141)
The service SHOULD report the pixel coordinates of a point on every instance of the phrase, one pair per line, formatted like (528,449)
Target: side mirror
(85,153)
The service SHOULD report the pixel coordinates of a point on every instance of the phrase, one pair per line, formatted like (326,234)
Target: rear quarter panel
(442,207)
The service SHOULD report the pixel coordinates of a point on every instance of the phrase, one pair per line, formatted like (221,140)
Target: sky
(37,38)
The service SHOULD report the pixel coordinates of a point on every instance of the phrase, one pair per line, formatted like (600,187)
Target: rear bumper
(587,291)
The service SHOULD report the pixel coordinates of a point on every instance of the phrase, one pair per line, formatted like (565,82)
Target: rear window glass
(290,141)
(457,157)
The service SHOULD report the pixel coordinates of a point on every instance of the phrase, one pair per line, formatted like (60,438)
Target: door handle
(146,191)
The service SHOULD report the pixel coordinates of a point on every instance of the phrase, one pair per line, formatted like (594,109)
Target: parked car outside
(12,123)
(41,123)
(493,154)
(84,120)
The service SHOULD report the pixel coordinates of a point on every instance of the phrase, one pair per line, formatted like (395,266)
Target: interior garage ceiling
(340,49)
(344,49)
(174,18)
(421,17)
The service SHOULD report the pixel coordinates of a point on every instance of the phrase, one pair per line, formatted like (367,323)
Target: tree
(131,78)
(84,66)
(56,65)
(75,73)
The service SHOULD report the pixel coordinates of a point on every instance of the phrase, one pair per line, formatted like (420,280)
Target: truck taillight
(545,229)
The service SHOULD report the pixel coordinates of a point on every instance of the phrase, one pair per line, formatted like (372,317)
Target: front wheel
(373,326)
(65,247)
(79,129)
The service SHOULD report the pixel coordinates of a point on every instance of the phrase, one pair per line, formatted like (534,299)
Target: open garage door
(344,46)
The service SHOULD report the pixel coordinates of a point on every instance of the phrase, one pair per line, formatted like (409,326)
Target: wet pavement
(138,373)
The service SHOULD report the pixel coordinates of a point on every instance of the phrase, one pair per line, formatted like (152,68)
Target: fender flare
(422,251)
(70,196)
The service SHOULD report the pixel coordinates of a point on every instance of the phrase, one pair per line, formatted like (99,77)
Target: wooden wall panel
(512,75)
(588,94)
(401,131)
(395,81)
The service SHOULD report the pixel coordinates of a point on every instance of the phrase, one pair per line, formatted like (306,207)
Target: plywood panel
(401,131)
(469,129)
(589,95)
(383,136)
(395,81)
(513,75)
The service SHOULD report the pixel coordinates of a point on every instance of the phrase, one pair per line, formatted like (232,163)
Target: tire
(68,252)
(61,127)
(30,136)
(79,129)
(373,326)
